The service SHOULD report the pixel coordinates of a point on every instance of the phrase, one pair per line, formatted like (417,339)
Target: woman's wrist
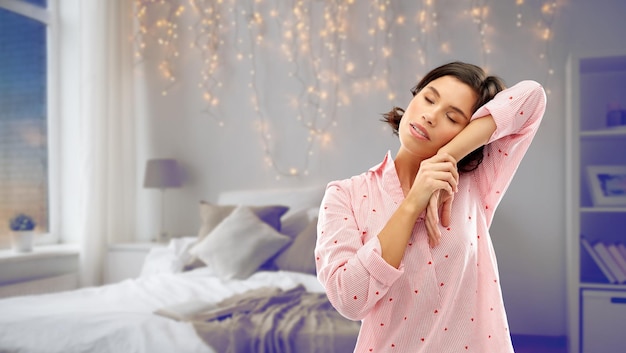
(477,133)
(412,206)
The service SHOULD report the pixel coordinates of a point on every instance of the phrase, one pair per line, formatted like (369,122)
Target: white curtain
(107,131)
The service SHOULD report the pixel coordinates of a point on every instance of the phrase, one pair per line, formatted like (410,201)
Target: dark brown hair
(486,87)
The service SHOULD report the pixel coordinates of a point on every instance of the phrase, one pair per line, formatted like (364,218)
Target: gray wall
(529,231)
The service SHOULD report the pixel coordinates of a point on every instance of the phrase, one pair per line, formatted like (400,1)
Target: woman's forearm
(474,135)
(395,236)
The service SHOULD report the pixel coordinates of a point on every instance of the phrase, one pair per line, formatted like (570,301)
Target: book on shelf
(596,258)
(622,249)
(603,251)
(617,255)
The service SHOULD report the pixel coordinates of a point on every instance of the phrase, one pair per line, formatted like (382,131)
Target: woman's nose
(428,118)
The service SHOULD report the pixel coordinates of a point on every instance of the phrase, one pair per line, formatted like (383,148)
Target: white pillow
(170,259)
(239,244)
(160,260)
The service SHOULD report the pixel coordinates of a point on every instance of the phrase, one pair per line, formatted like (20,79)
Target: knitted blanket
(270,320)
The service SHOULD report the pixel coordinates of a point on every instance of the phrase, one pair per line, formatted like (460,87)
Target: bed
(252,247)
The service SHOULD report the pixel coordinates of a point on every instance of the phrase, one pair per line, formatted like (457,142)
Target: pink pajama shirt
(445,299)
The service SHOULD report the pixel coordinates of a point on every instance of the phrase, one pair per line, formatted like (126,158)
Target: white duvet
(119,317)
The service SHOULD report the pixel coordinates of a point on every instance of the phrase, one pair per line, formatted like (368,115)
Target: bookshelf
(596,84)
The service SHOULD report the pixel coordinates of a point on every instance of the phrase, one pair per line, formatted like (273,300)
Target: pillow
(291,226)
(294,223)
(160,260)
(298,257)
(239,244)
(168,259)
(211,215)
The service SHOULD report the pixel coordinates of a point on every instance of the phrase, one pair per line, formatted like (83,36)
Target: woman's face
(435,115)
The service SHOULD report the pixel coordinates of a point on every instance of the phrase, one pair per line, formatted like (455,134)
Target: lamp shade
(162,174)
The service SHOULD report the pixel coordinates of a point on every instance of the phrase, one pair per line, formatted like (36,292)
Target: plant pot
(23,240)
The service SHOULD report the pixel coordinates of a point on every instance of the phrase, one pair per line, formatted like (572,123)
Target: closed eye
(454,108)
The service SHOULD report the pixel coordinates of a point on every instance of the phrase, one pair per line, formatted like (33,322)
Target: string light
(207,39)
(425,27)
(316,43)
(479,12)
(519,4)
(163,31)
(548,14)
(544,31)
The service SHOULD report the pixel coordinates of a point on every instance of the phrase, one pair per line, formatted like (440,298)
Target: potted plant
(22,227)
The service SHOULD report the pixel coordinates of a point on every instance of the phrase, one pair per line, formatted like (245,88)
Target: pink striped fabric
(442,299)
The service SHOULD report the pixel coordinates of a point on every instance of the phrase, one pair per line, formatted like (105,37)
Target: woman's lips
(419,131)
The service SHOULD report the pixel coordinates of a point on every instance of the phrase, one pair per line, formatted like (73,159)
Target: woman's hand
(440,200)
(440,172)
(437,175)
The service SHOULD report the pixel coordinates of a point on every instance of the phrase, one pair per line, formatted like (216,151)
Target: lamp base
(162,238)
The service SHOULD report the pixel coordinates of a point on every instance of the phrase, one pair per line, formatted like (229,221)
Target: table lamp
(162,174)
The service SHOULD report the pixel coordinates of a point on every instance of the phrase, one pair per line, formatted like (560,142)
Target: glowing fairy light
(545,32)
(479,12)
(350,67)
(445,47)
(312,41)
(548,8)
(165,33)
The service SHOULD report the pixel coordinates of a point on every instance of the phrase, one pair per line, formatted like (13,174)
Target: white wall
(529,228)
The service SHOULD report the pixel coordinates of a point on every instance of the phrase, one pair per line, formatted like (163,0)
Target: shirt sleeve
(352,271)
(517,112)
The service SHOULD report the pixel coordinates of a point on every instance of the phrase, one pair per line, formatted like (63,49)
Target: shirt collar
(386,170)
(384,166)
(389,181)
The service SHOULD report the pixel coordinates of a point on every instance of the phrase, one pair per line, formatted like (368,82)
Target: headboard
(296,198)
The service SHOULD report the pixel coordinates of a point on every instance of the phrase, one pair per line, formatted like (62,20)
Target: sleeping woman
(405,246)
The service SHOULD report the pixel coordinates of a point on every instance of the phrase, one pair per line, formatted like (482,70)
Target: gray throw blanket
(270,320)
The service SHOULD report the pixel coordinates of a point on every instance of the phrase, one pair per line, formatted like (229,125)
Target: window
(24,177)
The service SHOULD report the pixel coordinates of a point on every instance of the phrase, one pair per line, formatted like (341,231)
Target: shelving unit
(596,307)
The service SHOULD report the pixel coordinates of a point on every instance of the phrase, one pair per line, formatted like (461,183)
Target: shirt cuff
(370,256)
(513,108)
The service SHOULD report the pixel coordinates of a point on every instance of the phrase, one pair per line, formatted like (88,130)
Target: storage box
(616,118)
(604,321)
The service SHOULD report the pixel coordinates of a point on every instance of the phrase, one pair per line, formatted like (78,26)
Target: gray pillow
(239,244)
(299,257)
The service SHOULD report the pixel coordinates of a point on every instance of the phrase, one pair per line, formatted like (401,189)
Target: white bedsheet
(119,317)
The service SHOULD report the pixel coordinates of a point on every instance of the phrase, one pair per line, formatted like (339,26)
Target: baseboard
(538,340)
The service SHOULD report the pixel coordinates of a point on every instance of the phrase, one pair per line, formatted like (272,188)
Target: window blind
(23,121)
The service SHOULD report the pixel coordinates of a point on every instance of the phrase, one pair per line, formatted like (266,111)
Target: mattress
(120,317)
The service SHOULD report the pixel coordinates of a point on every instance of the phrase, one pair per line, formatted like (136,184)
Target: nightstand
(125,260)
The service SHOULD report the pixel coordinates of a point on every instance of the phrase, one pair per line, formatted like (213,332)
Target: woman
(418,282)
